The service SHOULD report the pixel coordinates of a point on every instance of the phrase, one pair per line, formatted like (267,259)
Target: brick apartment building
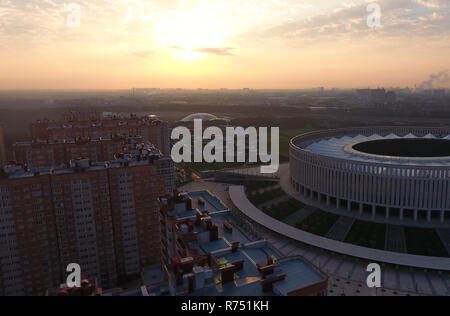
(2,148)
(103,216)
(54,153)
(95,125)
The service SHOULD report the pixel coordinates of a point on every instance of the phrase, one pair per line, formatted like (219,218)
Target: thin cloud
(221,51)
(176,47)
(142,54)
(400,18)
(435,4)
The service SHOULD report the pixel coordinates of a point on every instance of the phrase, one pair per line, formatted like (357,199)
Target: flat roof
(94,167)
(213,203)
(300,273)
(337,147)
(136,157)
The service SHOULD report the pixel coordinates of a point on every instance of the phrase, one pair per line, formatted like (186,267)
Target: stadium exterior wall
(240,200)
(418,193)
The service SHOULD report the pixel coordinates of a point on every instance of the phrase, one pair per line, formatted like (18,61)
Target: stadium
(399,175)
(369,194)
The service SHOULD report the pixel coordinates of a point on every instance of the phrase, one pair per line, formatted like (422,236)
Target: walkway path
(341,228)
(299,216)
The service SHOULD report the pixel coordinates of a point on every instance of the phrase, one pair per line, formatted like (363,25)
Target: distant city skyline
(287,44)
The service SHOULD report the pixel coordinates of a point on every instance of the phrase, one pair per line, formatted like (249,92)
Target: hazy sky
(220,43)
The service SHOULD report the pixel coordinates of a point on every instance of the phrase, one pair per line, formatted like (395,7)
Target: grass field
(425,242)
(318,223)
(261,198)
(367,234)
(285,137)
(204,166)
(284,209)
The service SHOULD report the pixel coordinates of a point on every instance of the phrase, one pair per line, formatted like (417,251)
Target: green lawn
(425,242)
(204,166)
(284,209)
(318,223)
(261,198)
(286,136)
(367,234)
(252,186)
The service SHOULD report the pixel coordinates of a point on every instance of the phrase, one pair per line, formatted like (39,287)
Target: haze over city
(218,155)
(286,44)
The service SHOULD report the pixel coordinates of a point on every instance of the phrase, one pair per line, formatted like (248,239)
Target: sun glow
(188,33)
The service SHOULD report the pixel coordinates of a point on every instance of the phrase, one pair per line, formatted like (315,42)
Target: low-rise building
(209,255)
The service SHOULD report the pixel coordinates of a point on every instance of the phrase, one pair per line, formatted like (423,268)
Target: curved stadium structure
(200,116)
(398,174)
(366,195)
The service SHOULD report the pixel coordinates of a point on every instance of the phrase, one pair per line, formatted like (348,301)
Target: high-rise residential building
(3,159)
(104,216)
(54,153)
(96,125)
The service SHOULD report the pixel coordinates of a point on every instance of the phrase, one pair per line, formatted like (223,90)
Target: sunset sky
(285,44)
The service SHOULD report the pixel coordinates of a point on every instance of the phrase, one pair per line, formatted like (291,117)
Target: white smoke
(437,81)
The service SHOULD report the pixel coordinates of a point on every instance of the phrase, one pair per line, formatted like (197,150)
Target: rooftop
(201,201)
(97,120)
(140,155)
(342,148)
(200,116)
(78,141)
(229,263)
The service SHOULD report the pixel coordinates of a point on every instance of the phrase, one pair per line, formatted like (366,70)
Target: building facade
(389,173)
(95,125)
(103,216)
(3,158)
(56,153)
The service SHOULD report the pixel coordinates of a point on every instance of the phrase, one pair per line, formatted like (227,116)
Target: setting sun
(188,35)
(285,44)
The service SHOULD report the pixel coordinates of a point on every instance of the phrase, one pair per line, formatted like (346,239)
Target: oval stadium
(350,197)
(399,175)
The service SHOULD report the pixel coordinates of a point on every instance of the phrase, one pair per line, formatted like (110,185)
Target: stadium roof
(200,116)
(339,147)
